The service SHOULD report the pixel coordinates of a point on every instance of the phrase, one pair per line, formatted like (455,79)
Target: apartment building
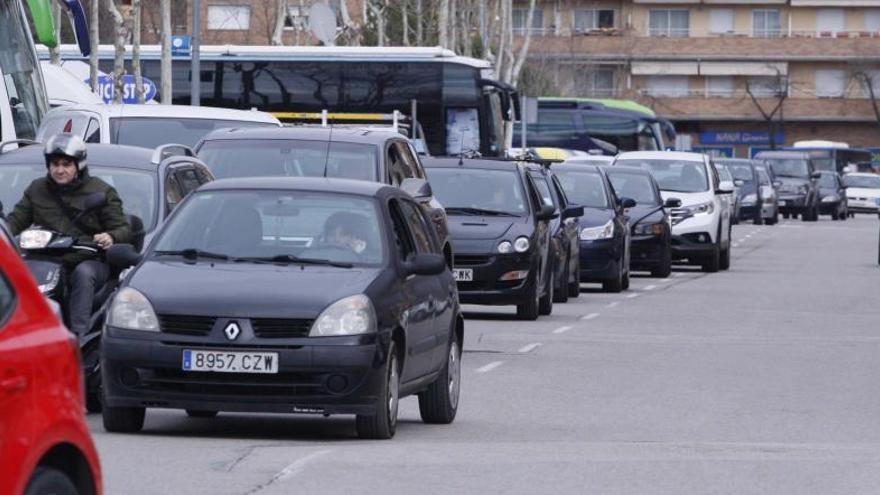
(721,69)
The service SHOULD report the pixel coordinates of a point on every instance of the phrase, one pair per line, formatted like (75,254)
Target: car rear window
(584,188)
(673,175)
(150,132)
(635,186)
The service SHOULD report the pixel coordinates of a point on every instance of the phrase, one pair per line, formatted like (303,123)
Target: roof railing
(171,149)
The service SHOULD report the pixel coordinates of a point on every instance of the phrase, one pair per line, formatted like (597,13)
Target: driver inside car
(57,202)
(345,230)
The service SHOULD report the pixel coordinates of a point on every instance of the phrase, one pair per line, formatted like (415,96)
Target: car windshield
(827,181)
(267,225)
(673,175)
(634,186)
(471,189)
(741,172)
(763,178)
(136,188)
(543,189)
(789,167)
(290,157)
(584,188)
(724,173)
(150,132)
(866,181)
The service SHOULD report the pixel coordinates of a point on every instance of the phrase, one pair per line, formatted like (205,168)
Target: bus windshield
(22,81)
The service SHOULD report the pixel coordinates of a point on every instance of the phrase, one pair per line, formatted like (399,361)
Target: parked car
(749,192)
(833,194)
(564,241)
(46,446)
(286,295)
(146,126)
(701,226)
(769,202)
(500,229)
(649,220)
(731,199)
(796,174)
(362,153)
(862,192)
(605,234)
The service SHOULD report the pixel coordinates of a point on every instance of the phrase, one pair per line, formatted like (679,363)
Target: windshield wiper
(193,253)
(480,211)
(289,258)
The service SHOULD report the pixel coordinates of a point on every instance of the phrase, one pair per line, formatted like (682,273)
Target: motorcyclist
(56,202)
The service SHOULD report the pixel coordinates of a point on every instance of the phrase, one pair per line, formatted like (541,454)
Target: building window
(296,18)
(229,17)
(595,82)
(589,19)
(830,83)
(674,86)
(767,86)
(872,20)
(519,21)
(766,24)
(721,21)
(830,21)
(672,23)
(719,86)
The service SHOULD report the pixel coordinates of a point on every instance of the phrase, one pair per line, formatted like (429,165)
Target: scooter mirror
(122,256)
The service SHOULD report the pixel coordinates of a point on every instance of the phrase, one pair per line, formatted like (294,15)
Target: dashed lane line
(612,304)
(529,348)
(649,287)
(489,367)
(562,329)
(589,316)
(633,295)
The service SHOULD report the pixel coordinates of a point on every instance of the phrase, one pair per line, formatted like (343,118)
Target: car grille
(186,325)
(266,387)
(471,259)
(274,328)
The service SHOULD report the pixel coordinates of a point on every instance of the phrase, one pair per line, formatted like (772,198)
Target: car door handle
(13,384)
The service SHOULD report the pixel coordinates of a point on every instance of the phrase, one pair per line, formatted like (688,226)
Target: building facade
(731,74)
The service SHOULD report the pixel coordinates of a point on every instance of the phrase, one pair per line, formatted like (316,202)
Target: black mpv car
(605,235)
(832,192)
(651,242)
(565,229)
(750,200)
(797,190)
(500,231)
(286,295)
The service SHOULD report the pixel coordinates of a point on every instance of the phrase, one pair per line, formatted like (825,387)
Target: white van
(147,126)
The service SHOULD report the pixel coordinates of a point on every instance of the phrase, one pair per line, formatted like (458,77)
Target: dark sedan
(833,195)
(605,235)
(750,199)
(651,243)
(500,230)
(286,295)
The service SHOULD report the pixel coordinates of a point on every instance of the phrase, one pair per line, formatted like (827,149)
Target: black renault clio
(500,231)
(286,295)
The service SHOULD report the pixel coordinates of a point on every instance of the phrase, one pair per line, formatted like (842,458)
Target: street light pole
(196,69)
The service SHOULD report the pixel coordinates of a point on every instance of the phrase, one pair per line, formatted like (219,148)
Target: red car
(45,446)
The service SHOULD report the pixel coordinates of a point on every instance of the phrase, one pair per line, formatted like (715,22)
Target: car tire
(664,268)
(772,220)
(93,402)
(574,288)
(758,220)
(192,413)
(724,259)
(383,424)
(625,284)
(439,404)
(46,480)
(712,262)
(529,309)
(615,284)
(545,304)
(123,419)
(561,295)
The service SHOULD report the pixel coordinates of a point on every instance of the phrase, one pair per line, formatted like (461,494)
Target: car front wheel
(123,419)
(46,480)
(383,424)
(439,404)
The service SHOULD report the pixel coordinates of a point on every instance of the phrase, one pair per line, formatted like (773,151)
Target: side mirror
(816,175)
(672,203)
(546,212)
(777,184)
(627,202)
(725,187)
(94,201)
(417,188)
(573,211)
(424,264)
(122,256)
(738,182)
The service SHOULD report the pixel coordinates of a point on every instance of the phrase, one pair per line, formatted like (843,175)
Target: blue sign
(105,89)
(180,45)
(740,137)
(715,151)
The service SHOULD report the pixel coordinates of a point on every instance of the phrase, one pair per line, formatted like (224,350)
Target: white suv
(147,126)
(701,226)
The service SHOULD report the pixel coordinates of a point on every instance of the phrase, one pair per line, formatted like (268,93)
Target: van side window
(93,132)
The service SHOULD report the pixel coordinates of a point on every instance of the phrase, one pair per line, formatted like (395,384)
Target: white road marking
(650,287)
(589,316)
(612,304)
(562,329)
(297,466)
(665,280)
(529,348)
(677,275)
(735,245)
(489,367)
(633,295)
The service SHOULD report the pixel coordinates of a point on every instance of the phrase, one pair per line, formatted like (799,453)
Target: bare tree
(443,24)
(55,51)
(166,53)
(280,17)
(868,82)
(136,50)
(95,15)
(780,87)
(121,33)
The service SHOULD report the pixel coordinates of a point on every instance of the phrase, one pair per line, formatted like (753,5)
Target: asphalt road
(763,379)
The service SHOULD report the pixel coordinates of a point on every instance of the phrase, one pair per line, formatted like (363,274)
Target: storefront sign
(740,137)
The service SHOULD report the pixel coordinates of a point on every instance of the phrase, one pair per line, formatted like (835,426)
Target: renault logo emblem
(232,331)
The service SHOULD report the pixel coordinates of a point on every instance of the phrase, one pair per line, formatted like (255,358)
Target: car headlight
(749,199)
(505,247)
(353,315)
(702,208)
(521,244)
(132,310)
(830,199)
(593,233)
(649,228)
(34,239)
(51,281)
(802,189)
